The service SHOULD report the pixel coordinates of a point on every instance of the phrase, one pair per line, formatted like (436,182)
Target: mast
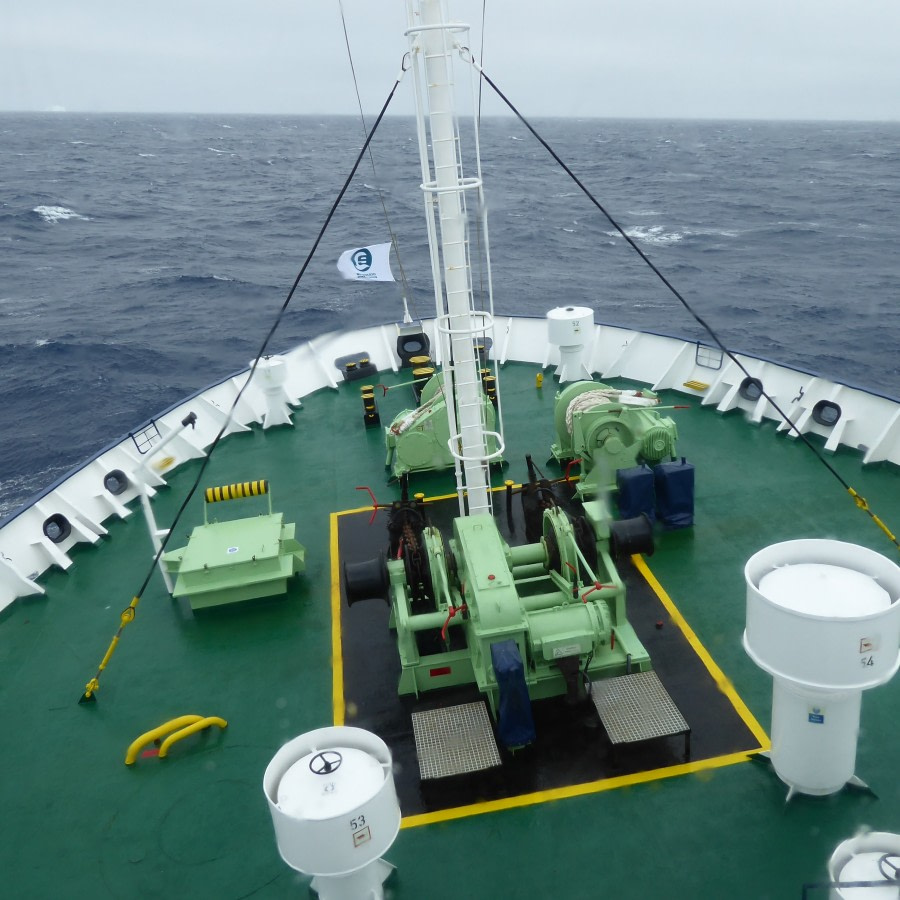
(433,42)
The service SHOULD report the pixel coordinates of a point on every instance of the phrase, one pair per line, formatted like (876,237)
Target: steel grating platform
(637,707)
(454,740)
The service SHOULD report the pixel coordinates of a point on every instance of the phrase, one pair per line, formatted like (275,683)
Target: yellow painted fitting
(237,491)
(148,736)
(193,728)
(163,463)
(539,380)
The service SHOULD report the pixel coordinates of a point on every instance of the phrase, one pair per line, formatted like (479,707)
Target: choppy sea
(144,257)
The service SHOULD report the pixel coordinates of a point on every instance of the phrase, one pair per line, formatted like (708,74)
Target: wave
(153,279)
(53,214)
(651,234)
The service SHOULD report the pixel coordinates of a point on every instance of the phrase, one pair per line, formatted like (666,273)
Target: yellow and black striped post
(421,377)
(370,409)
(237,491)
(490,388)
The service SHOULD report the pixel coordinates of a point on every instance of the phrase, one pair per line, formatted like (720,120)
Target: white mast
(432,40)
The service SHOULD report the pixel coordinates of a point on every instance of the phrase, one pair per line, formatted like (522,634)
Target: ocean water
(144,257)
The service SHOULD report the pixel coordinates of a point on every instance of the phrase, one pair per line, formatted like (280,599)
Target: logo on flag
(371,263)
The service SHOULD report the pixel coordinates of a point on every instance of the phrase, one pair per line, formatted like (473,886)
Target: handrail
(148,736)
(193,728)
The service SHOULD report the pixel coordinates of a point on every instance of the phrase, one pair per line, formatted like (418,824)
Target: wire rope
(128,614)
(860,501)
(407,288)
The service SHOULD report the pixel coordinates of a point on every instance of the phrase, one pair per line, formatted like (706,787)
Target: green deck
(79,823)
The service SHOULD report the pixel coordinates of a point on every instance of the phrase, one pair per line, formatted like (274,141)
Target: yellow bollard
(539,380)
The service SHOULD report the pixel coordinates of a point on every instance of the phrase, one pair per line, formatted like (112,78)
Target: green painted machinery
(609,429)
(418,439)
(559,599)
(236,559)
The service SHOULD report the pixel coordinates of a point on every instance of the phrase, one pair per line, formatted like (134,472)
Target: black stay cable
(860,501)
(128,613)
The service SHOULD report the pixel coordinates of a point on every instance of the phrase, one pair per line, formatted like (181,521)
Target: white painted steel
(432,38)
(823,618)
(857,858)
(856,650)
(873,422)
(814,737)
(568,328)
(334,809)
(272,374)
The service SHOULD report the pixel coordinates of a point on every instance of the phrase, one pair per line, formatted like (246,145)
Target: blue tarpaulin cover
(675,493)
(636,492)
(515,726)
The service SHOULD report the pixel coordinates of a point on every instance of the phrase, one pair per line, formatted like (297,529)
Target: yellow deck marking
(574,790)
(724,685)
(337,655)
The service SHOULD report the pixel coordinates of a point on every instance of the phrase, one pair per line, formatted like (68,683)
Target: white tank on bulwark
(570,328)
(823,618)
(335,811)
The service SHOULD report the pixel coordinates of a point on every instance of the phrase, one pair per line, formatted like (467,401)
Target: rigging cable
(129,612)
(478,218)
(407,289)
(860,501)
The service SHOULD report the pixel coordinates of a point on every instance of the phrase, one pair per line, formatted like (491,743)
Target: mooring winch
(419,439)
(522,622)
(609,429)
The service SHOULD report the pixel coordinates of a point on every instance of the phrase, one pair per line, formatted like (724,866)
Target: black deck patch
(571,747)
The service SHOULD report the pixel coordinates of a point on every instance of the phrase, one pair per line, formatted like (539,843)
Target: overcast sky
(797,59)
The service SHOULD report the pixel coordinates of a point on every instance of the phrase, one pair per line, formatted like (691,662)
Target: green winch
(556,603)
(418,440)
(609,429)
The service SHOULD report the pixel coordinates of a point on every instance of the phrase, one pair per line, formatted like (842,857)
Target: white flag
(371,263)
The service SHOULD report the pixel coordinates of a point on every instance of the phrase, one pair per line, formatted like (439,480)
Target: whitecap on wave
(651,234)
(54,214)
(147,154)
